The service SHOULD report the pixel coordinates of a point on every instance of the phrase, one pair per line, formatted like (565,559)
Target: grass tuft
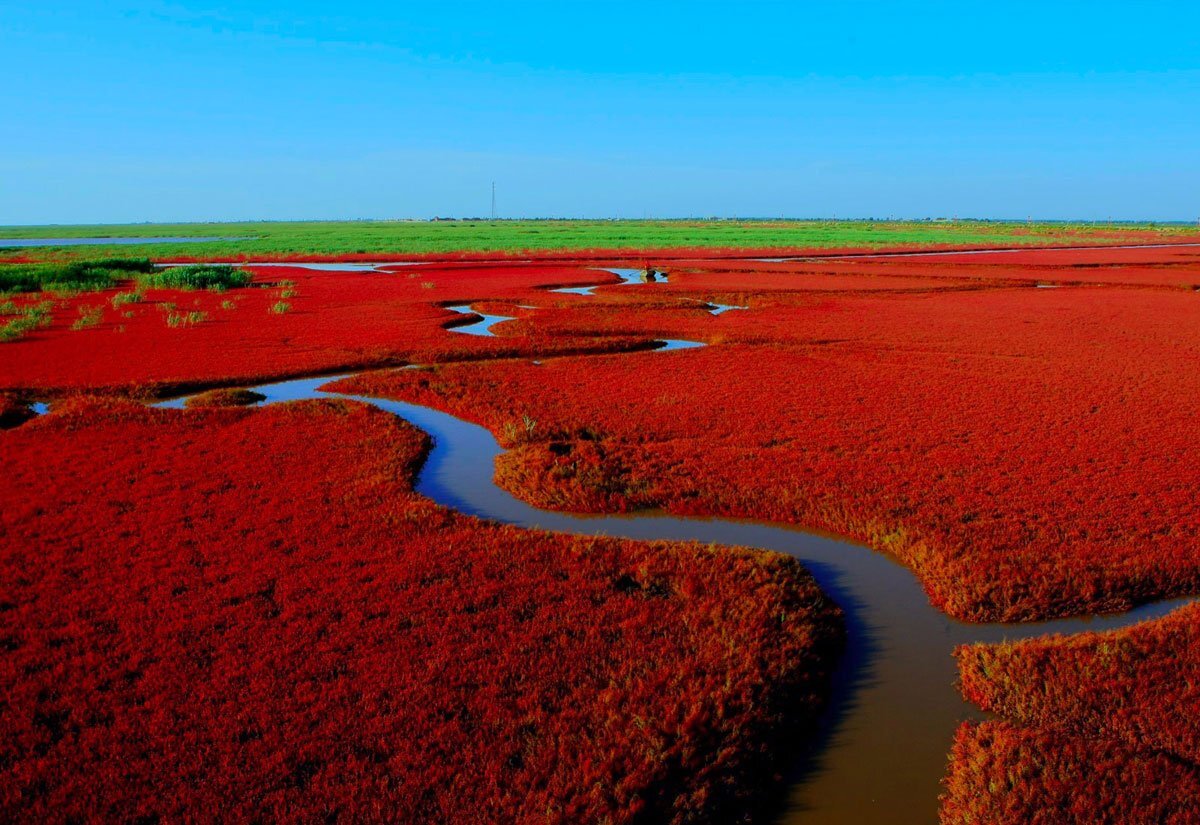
(217,277)
(28,319)
(186,319)
(88,317)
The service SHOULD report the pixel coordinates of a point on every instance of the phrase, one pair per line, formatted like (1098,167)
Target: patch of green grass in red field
(249,615)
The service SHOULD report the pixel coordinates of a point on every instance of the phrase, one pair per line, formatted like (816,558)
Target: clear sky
(114,112)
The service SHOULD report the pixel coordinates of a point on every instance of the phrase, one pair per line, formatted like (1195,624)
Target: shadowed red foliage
(1101,725)
(247,614)
(1001,774)
(13,411)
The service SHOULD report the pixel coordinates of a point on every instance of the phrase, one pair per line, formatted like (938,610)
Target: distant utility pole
(493,200)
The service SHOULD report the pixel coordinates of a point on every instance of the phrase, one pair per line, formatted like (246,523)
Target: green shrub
(186,319)
(122,298)
(70,277)
(280,307)
(88,317)
(196,276)
(31,318)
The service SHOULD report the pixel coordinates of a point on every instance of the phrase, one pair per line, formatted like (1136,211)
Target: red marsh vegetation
(1175,267)
(250,611)
(287,322)
(247,614)
(1026,451)
(1098,727)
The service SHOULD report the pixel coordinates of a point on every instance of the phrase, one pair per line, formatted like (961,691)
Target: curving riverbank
(882,751)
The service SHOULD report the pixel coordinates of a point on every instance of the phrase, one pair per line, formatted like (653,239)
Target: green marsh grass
(28,319)
(88,317)
(186,319)
(216,277)
(71,277)
(402,238)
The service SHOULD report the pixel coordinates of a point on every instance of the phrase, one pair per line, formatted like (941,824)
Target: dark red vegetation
(1099,727)
(1028,452)
(1002,774)
(13,411)
(225,397)
(247,614)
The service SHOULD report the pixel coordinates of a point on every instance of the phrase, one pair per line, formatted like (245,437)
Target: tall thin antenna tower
(493,200)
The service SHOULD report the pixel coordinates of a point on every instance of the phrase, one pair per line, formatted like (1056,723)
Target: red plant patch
(1100,726)
(225,397)
(1025,451)
(290,322)
(1169,267)
(1001,774)
(247,614)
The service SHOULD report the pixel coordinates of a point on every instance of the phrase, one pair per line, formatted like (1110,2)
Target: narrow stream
(629,277)
(481,327)
(717,309)
(881,752)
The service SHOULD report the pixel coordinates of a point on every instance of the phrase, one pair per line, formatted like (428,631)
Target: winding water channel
(881,751)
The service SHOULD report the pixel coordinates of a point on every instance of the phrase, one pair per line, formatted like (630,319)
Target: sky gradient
(274,110)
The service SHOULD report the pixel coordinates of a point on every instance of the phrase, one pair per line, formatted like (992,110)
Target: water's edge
(885,736)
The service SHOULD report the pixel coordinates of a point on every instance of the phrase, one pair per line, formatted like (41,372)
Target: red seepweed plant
(248,614)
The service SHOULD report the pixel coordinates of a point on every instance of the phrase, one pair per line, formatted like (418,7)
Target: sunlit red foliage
(1101,725)
(247,614)
(334,321)
(1026,451)
(1171,267)
(1168,267)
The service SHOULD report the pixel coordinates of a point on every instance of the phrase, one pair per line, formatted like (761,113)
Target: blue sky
(202,111)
